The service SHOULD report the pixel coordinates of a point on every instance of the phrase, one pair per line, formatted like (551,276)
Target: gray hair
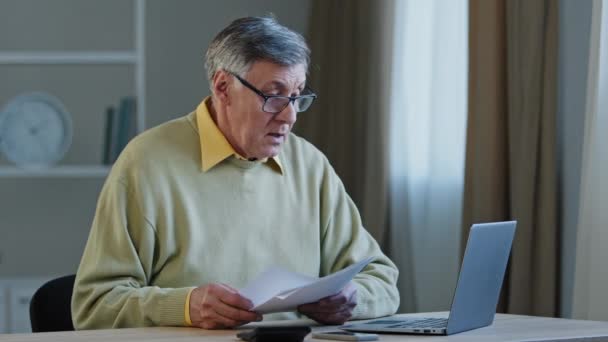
(250,39)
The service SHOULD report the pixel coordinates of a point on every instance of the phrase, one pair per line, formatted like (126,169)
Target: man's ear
(220,82)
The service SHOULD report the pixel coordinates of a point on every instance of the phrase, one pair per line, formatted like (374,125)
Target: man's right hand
(219,306)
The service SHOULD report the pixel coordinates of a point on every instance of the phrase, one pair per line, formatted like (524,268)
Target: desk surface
(505,328)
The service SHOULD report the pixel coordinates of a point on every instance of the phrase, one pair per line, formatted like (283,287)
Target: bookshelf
(134,57)
(59,57)
(80,171)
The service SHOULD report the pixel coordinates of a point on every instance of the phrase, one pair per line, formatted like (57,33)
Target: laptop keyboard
(421,323)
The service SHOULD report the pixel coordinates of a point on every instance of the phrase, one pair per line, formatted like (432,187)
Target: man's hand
(335,309)
(218,306)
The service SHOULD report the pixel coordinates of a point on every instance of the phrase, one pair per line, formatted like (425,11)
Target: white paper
(272,282)
(277,290)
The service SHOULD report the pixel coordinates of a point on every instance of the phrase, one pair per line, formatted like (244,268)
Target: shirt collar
(214,145)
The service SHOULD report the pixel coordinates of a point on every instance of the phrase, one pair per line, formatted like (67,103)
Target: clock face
(35,130)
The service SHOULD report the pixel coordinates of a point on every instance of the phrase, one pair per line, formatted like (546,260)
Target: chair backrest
(50,307)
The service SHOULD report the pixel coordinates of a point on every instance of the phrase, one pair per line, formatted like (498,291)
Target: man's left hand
(333,310)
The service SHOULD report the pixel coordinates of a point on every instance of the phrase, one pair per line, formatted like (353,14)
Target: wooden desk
(505,328)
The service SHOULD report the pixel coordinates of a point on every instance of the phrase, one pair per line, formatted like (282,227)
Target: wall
(44,223)
(574,31)
(178,33)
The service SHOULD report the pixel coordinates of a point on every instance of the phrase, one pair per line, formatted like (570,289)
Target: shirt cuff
(187,319)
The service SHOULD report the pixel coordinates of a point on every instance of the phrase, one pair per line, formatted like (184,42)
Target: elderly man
(197,207)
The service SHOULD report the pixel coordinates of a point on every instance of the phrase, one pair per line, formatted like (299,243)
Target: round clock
(35,130)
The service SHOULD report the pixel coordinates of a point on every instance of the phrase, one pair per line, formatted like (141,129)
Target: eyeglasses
(275,104)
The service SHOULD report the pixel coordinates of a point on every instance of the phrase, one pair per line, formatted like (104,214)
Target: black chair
(50,308)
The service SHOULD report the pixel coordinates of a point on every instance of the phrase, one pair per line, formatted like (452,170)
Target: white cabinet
(20,308)
(15,297)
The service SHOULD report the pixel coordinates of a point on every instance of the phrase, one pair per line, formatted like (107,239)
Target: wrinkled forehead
(264,72)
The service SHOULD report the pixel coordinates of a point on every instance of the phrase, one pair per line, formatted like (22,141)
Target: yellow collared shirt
(214,145)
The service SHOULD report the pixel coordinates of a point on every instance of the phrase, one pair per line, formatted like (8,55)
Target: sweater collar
(214,145)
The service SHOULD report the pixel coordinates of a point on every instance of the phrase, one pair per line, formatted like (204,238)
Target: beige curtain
(510,159)
(350,43)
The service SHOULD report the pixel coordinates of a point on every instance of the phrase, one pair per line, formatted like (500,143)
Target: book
(126,127)
(107,143)
(120,128)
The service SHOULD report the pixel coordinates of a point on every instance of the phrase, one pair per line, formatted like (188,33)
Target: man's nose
(288,115)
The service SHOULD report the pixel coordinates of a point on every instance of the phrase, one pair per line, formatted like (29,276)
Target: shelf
(63,57)
(135,57)
(67,171)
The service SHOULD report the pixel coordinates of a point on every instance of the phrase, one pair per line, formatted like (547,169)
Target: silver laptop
(476,296)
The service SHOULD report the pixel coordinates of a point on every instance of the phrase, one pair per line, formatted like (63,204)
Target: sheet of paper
(277,290)
(272,282)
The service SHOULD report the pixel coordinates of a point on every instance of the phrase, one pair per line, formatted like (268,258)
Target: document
(278,290)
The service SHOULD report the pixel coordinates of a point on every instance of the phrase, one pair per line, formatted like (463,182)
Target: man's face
(253,132)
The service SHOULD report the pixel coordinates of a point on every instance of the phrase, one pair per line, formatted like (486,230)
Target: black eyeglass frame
(292,99)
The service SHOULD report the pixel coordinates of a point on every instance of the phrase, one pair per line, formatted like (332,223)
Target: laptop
(476,296)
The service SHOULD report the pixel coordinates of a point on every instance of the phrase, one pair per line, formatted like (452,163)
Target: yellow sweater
(163,225)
